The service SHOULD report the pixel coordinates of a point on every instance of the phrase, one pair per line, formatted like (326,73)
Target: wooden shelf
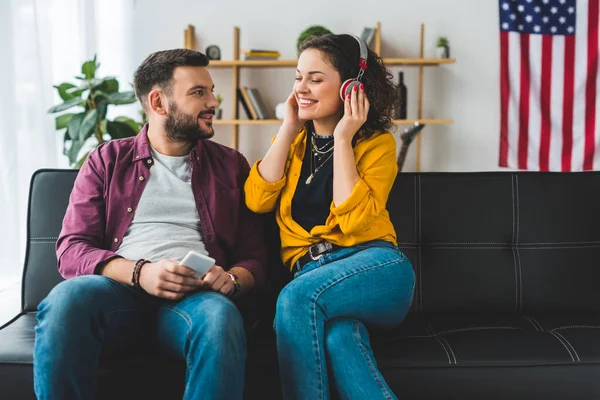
(292,63)
(278,121)
(236,65)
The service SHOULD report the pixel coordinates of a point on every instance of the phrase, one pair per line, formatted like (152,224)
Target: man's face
(191,105)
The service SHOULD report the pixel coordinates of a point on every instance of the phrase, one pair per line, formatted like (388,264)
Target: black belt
(314,252)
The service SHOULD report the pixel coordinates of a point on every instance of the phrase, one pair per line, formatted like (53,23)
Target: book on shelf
(260,58)
(262,111)
(254,52)
(367,35)
(261,55)
(246,104)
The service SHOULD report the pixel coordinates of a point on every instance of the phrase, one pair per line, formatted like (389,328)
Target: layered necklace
(319,155)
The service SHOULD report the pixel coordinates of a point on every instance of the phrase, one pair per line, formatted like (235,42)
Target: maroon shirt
(110,184)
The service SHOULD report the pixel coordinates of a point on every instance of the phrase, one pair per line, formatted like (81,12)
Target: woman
(328,175)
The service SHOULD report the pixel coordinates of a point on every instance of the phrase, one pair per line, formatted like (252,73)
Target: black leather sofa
(507,301)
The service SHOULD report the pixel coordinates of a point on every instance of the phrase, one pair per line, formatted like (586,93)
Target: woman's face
(317,87)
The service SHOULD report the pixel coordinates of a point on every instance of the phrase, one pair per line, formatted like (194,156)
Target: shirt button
(141,178)
(116,240)
(137,157)
(129,209)
(149,161)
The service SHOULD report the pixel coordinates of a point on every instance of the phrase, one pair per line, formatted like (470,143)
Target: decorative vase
(218,113)
(442,52)
(280,111)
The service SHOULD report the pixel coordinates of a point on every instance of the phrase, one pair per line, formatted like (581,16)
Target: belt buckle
(310,252)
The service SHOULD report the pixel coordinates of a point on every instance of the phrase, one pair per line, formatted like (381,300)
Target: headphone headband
(364,52)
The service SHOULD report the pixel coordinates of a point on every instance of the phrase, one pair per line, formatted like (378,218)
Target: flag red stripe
(504,97)
(568,93)
(524,103)
(545,94)
(590,88)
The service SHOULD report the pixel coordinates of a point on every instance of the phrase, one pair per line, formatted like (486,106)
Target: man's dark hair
(157,69)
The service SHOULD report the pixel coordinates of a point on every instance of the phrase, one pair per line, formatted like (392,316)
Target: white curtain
(44,42)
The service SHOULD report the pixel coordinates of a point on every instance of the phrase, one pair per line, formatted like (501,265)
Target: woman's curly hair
(343,53)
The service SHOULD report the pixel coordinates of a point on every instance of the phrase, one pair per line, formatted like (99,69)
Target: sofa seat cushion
(476,355)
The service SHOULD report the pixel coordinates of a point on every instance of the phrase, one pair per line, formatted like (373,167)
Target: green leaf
(87,125)
(88,69)
(132,124)
(118,130)
(101,106)
(66,105)
(66,139)
(63,90)
(76,146)
(103,126)
(62,121)
(74,125)
(81,161)
(121,98)
(77,91)
(107,85)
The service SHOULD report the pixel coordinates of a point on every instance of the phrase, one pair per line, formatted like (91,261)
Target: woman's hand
(291,120)
(356,109)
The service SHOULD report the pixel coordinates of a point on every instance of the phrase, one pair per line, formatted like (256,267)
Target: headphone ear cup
(347,87)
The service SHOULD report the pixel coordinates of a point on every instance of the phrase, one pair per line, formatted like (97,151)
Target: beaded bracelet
(135,275)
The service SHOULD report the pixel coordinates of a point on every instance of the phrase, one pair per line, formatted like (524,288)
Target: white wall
(466,91)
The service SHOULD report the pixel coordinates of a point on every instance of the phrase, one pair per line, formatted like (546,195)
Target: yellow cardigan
(360,218)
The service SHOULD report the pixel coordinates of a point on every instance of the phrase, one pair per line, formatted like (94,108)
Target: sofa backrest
(508,242)
(48,199)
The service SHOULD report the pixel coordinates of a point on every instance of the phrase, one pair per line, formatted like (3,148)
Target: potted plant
(219,110)
(88,123)
(443,47)
(315,30)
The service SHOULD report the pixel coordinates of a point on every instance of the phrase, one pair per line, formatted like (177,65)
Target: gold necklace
(312,175)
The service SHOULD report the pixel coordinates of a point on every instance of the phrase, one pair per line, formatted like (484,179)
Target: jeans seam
(188,321)
(314,310)
(374,372)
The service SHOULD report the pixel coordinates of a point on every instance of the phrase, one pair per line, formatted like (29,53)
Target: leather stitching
(440,342)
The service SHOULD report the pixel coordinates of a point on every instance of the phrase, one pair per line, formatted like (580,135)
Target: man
(138,206)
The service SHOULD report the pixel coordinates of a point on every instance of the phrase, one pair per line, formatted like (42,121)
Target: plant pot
(442,52)
(218,113)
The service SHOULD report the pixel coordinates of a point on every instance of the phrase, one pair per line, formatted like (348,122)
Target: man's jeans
(86,315)
(321,317)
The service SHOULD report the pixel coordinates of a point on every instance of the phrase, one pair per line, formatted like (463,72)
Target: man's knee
(74,298)
(217,319)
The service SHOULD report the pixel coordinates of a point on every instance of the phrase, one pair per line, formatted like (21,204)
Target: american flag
(549,85)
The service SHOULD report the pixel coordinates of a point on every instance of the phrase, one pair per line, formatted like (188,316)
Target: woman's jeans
(321,320)
(87,315)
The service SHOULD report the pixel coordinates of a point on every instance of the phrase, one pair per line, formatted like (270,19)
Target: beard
(184,128)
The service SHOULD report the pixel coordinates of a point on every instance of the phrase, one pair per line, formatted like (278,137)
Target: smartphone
(198,262)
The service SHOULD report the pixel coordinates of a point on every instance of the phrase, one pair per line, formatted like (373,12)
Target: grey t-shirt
(166,222)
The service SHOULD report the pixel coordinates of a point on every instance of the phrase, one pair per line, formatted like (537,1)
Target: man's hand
(216,279)
(169,280)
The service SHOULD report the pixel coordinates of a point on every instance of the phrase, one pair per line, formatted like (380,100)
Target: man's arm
(250,253)
(79,248)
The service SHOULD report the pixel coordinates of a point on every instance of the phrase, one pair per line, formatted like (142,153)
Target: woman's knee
(341,333)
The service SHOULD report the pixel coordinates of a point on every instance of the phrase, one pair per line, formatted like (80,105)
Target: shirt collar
(141,148)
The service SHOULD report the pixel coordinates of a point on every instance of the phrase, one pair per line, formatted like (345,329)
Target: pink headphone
(348,85)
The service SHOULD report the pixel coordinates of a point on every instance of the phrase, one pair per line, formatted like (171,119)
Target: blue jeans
(86,315)
(321,317)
